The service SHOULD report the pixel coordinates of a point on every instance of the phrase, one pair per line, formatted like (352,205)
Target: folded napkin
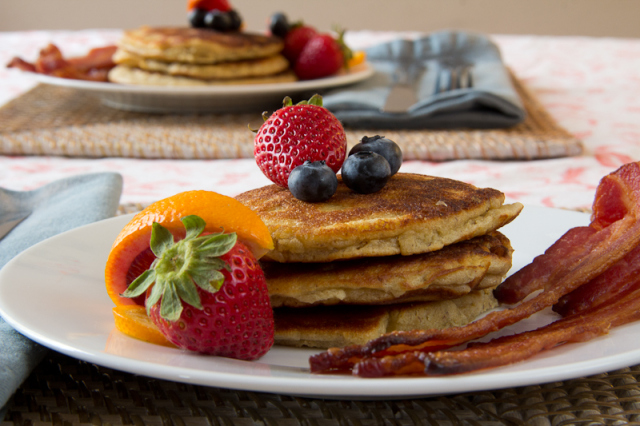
(490,102)
(54,208)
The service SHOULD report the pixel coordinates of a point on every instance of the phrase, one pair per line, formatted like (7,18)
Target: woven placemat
(51,120)
(63,391)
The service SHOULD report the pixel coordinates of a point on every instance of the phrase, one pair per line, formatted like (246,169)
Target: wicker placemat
(63,391)
(50,120)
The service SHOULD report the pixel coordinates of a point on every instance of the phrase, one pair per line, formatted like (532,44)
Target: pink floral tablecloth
(591,86)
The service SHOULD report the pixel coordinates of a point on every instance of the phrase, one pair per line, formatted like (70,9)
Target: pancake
(342,325)
(455,270)
(127,75)
(224,70)
(197,45)
(412,214)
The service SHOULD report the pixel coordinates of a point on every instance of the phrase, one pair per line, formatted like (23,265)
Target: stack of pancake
(184,56)
(421,253)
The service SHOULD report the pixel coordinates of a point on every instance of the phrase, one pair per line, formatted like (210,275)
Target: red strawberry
(207,293)
(221,5)
(295,40)
(322,56)
(298,133)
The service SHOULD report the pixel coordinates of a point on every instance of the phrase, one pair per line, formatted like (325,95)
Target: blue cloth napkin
(491,101)
(54,208)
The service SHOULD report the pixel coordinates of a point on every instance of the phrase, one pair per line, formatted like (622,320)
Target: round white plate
(223,98)
(54,293)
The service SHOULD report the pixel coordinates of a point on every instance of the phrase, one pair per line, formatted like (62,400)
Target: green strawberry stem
(181,266)
(287,101)
(347,53)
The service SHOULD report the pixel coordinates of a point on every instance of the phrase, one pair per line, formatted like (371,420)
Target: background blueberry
(217,20)
(383,146)
(279,25)
(366,172)
(196,17)
(313,182)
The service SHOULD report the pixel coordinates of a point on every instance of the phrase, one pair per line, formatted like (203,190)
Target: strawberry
(298,133)
(206,293)
(221,5)
(295,40)
(322,56)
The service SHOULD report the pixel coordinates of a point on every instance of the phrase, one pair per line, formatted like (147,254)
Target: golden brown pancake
(259,67)
(342,325)
(412,214)
(123,74)
(451,272)
(197,46)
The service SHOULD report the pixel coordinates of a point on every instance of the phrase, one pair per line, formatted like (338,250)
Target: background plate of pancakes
(201,99)
(197,99)
(61,303)
(191,70)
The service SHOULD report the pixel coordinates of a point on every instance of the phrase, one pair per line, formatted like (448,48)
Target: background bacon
(94,66)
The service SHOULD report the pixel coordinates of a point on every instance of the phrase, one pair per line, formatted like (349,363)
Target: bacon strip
(535,275)
(610,242)
(618,195)
(508,349)
(94,66)
(615,282)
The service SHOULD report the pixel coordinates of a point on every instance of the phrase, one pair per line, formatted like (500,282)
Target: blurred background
(608,18)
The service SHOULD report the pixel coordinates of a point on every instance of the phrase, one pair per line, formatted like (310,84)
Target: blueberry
(196,17)
(313,181)
(217,20)
(366,172)
(236,20)
(383,146)
(279,25)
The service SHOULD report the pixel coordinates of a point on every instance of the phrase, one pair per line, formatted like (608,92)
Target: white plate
(54,293)
(223,98)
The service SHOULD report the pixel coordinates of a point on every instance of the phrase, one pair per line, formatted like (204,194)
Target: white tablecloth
(591,86)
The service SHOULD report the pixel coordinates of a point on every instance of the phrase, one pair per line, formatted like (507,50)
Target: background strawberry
(207,293)
(221,5)
(298,133)
(295,40)
(322,56)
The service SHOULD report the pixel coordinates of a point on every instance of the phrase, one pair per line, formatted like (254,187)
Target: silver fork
(454,77)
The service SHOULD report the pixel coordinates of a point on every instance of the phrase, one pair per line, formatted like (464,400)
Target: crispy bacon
(508,349)
(615,282)
(94,66)
(600,246)
(617,196)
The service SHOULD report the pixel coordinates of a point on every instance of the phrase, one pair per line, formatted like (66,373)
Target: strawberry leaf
(315,100)
(194,226)
(171,306)
(217,245)
(186,290)
(140,284)
(211,281)
(161,239)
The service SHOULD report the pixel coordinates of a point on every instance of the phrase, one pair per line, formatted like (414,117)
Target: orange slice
(358,58)
(130,254)
(133,321)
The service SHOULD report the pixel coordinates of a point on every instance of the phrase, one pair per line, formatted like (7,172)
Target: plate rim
(328,386)
(356,74)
